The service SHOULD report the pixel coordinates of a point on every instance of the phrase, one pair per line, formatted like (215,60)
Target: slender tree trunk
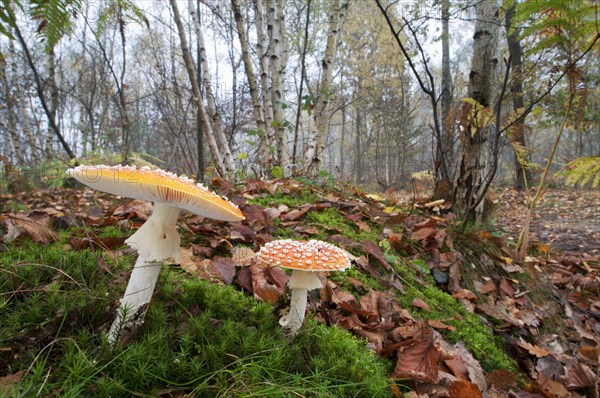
(257,106)
(24,113)
(53,90)
(358,175)
(446,145)
(125,123)
(189,66)
(265,67)
(322,111)
(342,141)
(10,126)
(517,135)
(213,111)
(300,88)
(42,97)
(199,126)
(469,181)
(278,55)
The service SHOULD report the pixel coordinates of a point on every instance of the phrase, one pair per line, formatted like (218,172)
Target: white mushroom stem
(300,283)
(156,241)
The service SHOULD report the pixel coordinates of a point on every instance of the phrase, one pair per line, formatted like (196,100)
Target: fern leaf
(581,171)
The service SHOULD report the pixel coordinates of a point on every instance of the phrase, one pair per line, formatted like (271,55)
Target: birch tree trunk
(10,126)
(125,123)
(278,56)
(19,99)
(42,97)
(189,66)
(322,111)
(257,107)
(53,90)
(213,111)
(473,137)
(265,67)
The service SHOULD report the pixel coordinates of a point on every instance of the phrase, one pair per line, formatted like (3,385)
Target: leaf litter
(559,361)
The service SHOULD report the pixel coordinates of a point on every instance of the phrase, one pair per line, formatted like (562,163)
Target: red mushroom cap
(312,255)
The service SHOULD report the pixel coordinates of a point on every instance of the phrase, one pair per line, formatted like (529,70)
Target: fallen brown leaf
(418,357)
(464,389)
(18,226)
(533,350)
(419,303)
(436,324)
(423,233)
(580,376)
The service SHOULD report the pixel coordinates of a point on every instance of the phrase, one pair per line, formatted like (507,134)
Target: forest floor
(567,220)
(449,312)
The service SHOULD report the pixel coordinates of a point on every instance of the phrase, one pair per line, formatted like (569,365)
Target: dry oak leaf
(18,226)
(579,376)
(223,267)
(419,303)
(242,233)
(533,350)
(460,354)
(464,389)
(243,256)
(555,388)
(434,323)
(134,209)
(501,310)
(375,251)
(262,286)
(423,233)
(418,357)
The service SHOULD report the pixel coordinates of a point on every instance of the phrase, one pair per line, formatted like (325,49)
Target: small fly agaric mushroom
(304,258)
(157,240)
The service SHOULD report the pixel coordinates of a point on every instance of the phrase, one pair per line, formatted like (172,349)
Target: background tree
(479,129)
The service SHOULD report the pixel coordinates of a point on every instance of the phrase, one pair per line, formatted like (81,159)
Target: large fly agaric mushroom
(156,241)
(304,258)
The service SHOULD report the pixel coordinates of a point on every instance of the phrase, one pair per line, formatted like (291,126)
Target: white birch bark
(189,65)
(472,162)
(278,55)
(264,66)
(213,111)
(323,93)
(257,106)
(10,126)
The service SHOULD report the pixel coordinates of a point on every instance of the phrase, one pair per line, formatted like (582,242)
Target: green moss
(199,339)
(292,199)
(469,329)
(332,222)
(112,231)
(341,279)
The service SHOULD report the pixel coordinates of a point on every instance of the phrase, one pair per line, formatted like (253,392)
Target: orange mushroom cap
(312,255)
(157,186)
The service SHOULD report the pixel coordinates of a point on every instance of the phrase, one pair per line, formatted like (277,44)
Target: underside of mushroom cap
(157,186)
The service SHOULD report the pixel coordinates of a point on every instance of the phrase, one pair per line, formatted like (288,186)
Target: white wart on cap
(312,255)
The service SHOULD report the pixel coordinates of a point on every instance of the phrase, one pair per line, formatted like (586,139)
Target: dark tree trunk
(517,135)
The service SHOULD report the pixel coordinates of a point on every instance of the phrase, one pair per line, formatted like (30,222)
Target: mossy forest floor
(427,308)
